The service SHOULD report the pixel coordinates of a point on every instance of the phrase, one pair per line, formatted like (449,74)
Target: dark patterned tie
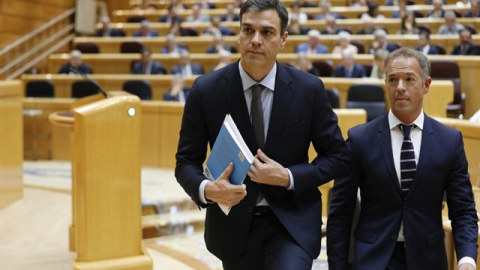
(408,167)
(256,111)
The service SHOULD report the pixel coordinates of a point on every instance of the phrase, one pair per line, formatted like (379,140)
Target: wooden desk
(200,44)
(11,142)
(471,140)
(161,4)
(391,25)
(435,101)
(348,12)
(120,64)
(160,128)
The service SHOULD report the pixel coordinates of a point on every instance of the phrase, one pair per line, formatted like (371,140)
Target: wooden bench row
(347,12)
(390,25)
(120,64)
(201,43)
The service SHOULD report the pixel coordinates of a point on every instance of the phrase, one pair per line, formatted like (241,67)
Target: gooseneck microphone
(74,70)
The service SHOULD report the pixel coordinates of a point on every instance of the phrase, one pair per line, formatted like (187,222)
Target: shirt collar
(393,120)
(268,81)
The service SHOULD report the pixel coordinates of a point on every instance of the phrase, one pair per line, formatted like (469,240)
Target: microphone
(74,70)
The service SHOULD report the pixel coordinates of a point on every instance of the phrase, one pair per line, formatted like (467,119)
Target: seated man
(219,45)
(230,15)
(331,27)
(108,31)
(75,65)
(424,44)
(368,28)
(451,27)
(186,68)
(438,11)
(178,92)
(474,11)
(172,47)
(216,28)
(381,42)
(313,45)
(146,65)
(348,68)
(145,30)
(466,46)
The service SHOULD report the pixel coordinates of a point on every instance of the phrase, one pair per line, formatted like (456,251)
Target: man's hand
(267,171)
(466,266)
(223,192)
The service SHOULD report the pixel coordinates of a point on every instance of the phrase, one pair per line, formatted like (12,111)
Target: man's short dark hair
(145,49)
(409,53)
(426,34)
(261,5)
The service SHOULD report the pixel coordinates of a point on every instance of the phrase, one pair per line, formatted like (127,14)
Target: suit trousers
(398,261)
(270,247)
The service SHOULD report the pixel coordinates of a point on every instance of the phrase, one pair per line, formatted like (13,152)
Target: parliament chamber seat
(369,97)
(333,97)
(130,47)
(87,47)
(140,88)
(83,88)
(40,88)
(449,70)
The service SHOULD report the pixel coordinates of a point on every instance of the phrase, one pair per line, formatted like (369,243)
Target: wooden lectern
(106,232)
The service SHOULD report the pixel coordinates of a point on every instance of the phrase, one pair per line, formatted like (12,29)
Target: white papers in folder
(229,147)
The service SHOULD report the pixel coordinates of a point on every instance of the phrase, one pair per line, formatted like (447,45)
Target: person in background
(224,59)
(313,45)
(438,11)
(215,28)
(451,27)
(107,30)
(474,11)
(197,15)
(145,30)
(373,12)
(185,67)
(378,67)
(344,43)
(302,17)
(275,216)
(303,63)
(324,6)
(219,45)
(404,163)
(348,68)
(230,14)
(147,65)
(381,42)
(172,47)
(304,4)
(466,47)
(368,28)
(178,30)
(144,5)
(295,28)
(75,65)
(408,25)
(331,27)
(424,44)
(402,10)
(171,14)
(178,91)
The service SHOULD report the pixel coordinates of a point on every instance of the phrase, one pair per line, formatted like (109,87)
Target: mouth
(401,99)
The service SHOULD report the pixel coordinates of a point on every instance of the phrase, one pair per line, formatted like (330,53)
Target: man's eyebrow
(266,27)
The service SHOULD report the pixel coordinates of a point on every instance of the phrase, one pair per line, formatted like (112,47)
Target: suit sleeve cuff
(467,260)
(201,191)
(292,183)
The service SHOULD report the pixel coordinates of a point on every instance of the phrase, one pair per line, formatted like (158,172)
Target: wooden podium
(106,227)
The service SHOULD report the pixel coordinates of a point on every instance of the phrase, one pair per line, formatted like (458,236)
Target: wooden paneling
(11,142)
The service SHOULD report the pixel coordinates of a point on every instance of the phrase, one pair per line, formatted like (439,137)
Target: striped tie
(407,160)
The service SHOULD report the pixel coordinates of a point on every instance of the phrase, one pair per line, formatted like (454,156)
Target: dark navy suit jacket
(357,72)
(442,167)
(300,115)
(472,49)
(83,69)
(432,50)
(155,68)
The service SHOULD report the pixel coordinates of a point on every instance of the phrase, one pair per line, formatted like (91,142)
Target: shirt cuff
(467,260)
(292,183)
(201,191)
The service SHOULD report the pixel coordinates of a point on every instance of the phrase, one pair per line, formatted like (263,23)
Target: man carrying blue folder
(275,216)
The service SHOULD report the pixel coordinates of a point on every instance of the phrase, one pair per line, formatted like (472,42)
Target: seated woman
(344,43)
(408,25)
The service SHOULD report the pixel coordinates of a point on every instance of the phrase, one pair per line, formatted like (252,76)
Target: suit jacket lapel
(280,107)
(385,142)
(426,147)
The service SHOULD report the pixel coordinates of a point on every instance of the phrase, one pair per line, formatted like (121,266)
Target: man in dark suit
(75,65)
(381,42)
(403,162)
(145,31)
(348,68)
(466,46)
(275,217)
(424,44)
(108,31)
(219,45)
(186,67)
(146,65)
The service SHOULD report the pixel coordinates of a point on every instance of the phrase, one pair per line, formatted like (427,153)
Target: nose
(256,39)
(401,84)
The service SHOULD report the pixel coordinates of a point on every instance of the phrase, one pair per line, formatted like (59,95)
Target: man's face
(465,37)
(75,61)
(422,41)
(347,61)
(450,21)
(146,57)
(406,88)
(260,40)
